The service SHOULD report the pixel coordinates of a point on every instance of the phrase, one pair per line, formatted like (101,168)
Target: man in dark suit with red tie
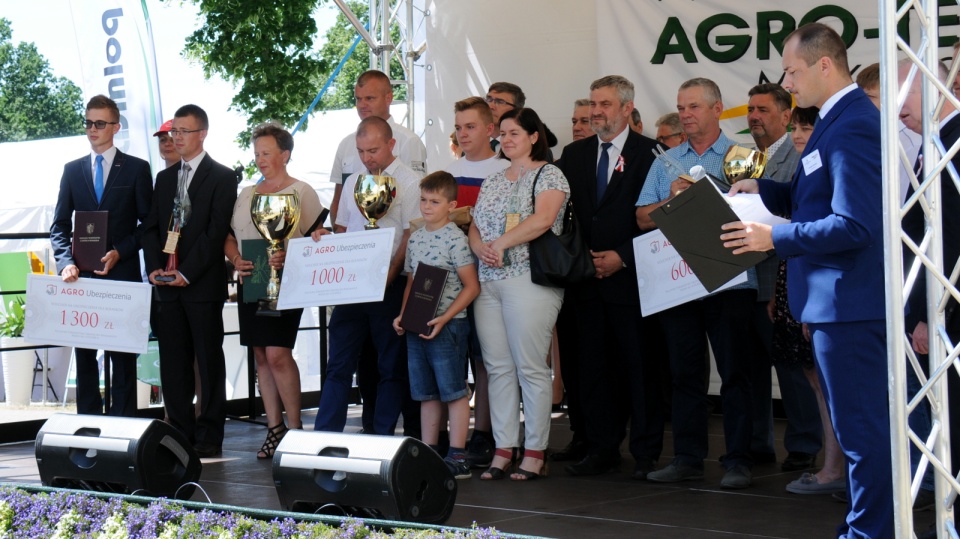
(195,199)
(834,249)
(615,365)
(111,181)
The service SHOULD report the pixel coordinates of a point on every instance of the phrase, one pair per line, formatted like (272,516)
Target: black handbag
(560,260)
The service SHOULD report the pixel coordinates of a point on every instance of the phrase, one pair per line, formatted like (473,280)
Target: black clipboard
(692,221)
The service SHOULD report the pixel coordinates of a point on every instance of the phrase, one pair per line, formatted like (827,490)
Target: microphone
(697,172)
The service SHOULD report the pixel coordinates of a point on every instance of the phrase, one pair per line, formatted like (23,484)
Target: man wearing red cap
(167,151)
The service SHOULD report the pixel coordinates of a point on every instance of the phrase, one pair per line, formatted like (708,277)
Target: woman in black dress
(272,338)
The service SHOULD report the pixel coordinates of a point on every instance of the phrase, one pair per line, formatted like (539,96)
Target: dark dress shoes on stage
(643,468)
(593,465)
(797,461)
(576,450)
(206,451)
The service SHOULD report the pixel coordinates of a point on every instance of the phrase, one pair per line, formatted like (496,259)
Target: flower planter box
(27,512)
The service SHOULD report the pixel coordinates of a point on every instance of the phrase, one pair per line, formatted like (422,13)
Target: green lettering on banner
(947,20)
(849,22)
(736,45)
(665,44)
(766,36)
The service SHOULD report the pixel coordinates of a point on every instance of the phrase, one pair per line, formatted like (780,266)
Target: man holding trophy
(351,324)
(183,249)
(725,316)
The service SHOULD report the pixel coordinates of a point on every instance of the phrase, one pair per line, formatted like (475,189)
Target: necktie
(184,176)
(602,167)
(182,201)
(98,179)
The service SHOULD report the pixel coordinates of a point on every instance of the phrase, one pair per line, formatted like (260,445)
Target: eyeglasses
(497,101)
(87,124)
(668,137)
(178,132)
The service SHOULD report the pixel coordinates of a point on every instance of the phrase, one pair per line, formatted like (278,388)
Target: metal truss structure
(905,259)
(406,16)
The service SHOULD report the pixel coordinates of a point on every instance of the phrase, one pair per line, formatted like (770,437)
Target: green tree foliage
(265,48)
(34,104)
(268,50)
(338,41)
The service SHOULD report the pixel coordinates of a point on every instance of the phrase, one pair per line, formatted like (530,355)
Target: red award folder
(424,299)
(89,239)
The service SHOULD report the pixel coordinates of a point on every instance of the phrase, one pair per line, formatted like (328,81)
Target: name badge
(812,162)
(513,219)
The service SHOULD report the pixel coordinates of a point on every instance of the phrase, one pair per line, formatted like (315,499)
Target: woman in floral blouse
(514,316)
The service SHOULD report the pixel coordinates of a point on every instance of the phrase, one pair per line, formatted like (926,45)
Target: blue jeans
(349,326)
(726,318)
(438,367)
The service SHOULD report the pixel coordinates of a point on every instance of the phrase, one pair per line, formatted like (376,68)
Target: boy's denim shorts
(438,367)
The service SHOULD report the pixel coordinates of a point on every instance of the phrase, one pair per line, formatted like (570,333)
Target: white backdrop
(553,49)
(547,47)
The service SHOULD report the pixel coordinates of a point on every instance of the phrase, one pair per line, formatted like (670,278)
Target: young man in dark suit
(112,181)
(194,198)
(834,249)
(616,362)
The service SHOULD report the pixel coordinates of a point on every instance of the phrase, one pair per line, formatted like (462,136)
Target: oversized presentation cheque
(88,313)
(664,278)
(337,270)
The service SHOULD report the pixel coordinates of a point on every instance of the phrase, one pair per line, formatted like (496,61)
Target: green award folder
(255,284)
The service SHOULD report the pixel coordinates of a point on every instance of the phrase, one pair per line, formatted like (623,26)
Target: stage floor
(562,506)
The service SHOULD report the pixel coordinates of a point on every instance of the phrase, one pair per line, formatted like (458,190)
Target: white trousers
(515,320)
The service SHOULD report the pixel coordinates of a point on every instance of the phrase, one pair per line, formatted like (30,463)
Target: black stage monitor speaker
(116,454)
(385,477)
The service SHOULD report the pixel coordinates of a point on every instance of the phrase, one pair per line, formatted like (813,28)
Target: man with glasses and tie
(119,184)
(183,249)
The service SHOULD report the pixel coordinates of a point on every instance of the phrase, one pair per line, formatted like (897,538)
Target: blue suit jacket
(127,193)
(834,242)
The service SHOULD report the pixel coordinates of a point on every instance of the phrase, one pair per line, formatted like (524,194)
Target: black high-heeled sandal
(494,473)
(274,435)
(527,475)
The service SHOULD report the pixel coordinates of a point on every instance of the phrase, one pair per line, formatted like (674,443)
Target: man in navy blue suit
(112,181)
(834,251)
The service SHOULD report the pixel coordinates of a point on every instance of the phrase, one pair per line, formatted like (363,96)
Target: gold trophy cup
(374,194)
(740,163)
(276,218)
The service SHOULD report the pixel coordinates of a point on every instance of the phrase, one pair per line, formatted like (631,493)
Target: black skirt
(267,330)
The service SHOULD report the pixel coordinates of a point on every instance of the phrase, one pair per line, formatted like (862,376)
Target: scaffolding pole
(405,16)
(921,54)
